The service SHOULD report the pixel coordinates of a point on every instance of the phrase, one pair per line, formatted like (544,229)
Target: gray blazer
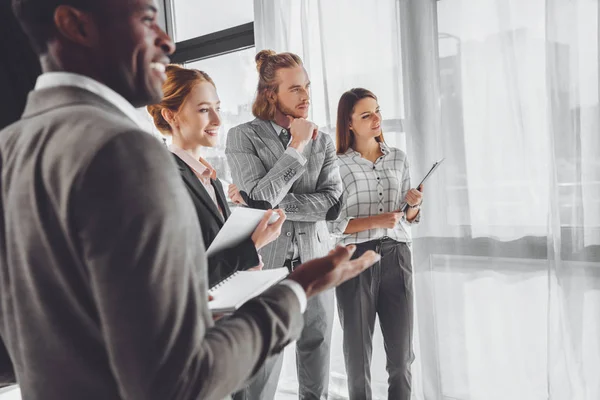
(268,176)
(103,270)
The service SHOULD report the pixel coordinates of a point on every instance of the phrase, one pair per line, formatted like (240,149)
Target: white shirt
(56,79)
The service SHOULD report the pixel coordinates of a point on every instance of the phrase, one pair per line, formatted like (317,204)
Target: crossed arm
(270,188)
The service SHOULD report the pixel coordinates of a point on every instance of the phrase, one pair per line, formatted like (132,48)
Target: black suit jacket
(228,261)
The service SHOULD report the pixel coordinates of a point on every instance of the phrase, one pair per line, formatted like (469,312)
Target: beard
(288,111)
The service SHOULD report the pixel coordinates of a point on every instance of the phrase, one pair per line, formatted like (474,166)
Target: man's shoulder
(324,143)
(74,135)
(96,127)
(250,126)
(250,131)
(324,137)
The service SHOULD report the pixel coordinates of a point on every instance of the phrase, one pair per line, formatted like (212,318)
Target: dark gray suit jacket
(103,272)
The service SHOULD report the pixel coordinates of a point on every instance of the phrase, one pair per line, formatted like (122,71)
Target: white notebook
(231,293)
(239,226)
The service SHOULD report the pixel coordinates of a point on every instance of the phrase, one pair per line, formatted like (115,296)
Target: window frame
(214,44)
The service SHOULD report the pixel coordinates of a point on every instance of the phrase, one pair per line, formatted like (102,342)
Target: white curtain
(337,55)
(507,257)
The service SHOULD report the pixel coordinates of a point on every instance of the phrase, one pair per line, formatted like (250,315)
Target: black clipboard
(431,171)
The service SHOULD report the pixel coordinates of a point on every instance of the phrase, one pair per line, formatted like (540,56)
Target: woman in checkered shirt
(376,186)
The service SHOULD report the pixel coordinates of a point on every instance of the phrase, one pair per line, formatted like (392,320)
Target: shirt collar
(200,166)
(55,79)
(277,127)
(384,149)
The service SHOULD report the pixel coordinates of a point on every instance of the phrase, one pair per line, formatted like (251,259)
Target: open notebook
(231,293)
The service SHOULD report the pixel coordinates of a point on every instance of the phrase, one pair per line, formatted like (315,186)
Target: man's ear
(76,26)
(271,96)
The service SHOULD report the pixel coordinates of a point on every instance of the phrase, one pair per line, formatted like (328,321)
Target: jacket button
(288,234)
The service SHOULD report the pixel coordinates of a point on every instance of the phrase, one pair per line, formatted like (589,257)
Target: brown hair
(343,132)
(180,82)
(268,63)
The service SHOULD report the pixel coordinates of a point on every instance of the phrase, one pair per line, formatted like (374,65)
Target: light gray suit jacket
(102,267)
(269,176)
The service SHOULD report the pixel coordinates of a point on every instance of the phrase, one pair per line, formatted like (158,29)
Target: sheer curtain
(338,57)
(507,258)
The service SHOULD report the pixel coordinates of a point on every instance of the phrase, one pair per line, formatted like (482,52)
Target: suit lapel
(221,198)
(269,137)
(192,181)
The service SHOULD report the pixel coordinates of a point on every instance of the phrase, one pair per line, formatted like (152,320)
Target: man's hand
(302,131)
(265,233)
(324,273)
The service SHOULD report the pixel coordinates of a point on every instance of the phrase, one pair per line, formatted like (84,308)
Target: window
(512,92)
(235,77)
(194,18)
(218,38)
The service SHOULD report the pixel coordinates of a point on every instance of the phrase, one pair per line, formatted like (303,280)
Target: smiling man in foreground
(102,270)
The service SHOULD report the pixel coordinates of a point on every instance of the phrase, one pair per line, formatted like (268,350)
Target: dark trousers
(312,357)
(386,290)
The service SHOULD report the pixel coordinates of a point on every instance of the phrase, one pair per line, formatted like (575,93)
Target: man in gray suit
(281,160)
(102,267)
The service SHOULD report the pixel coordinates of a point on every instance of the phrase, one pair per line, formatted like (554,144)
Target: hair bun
(262,56)
(155,111)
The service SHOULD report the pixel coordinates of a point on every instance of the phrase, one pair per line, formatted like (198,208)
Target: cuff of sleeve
(298,290)
(297,155)
(338,227)
(414,221)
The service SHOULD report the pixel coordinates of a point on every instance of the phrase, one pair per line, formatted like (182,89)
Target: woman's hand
(235,196)
(387,220)
(414,197)
(259,266)
(265,233)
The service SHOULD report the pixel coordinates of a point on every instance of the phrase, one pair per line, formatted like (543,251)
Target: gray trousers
(385,289)
(312,357)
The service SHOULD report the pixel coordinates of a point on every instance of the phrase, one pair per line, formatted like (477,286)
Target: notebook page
(234,291)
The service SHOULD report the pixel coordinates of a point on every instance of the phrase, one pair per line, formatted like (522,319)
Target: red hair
(180,82)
